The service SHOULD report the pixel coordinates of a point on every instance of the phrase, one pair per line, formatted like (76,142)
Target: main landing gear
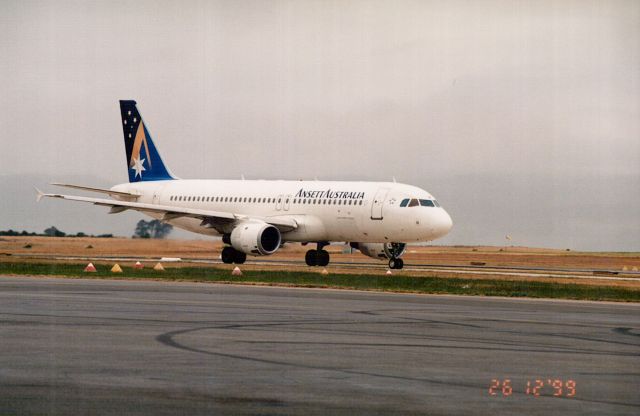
(231,255)
(317,257)
(396,263)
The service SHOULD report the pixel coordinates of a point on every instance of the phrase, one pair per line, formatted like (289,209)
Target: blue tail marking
(143,159)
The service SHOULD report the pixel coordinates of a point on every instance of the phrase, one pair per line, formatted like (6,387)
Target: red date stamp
(535,387)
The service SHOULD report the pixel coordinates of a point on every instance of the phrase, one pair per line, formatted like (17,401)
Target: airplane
(256,217)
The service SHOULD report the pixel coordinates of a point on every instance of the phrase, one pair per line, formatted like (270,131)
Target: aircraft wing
(222,221)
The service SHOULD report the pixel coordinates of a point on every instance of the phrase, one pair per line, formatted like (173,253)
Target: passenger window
(361,202)
(414,203)
(404,202)
(426,203)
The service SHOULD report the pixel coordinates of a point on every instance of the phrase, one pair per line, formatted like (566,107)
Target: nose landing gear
(396,263)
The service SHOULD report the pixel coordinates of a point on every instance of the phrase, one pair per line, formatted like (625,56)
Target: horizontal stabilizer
(39,195)
(109,192)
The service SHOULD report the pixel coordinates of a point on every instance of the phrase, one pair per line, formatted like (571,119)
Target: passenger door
(378,201)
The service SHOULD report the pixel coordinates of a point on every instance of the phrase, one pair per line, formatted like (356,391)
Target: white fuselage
(367,212)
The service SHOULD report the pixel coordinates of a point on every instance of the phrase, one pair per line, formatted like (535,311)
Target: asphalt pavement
(78,346)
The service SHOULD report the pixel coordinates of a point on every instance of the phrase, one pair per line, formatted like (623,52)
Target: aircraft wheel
(323,258)
(311,258)
(239,257)
(228,255)
(396,264)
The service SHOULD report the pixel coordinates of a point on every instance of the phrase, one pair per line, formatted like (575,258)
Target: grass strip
(393,283)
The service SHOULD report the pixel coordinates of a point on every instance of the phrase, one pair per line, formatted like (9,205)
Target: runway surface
(72,346)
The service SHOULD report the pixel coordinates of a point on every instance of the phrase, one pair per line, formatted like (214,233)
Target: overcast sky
(522,117)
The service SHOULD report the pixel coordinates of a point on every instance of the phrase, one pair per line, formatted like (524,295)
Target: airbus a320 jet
(256,217)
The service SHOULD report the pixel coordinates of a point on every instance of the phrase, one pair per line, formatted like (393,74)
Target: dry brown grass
(436,255)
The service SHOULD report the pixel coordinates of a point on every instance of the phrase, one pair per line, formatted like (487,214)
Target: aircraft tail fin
(144,162)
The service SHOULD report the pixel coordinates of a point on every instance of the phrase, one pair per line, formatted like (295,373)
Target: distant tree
(53,232)
(152,229)
(81,234)
(16,233)
(142,230)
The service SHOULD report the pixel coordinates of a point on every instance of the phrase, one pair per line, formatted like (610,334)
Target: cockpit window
(413,202)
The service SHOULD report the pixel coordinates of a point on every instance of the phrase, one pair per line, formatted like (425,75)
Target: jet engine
(256,238)
(381,250)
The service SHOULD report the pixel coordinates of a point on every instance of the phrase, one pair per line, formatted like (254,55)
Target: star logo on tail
(138,166)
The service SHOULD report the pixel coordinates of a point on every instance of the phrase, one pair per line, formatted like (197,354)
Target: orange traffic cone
(158,267)
(90,268)
(116,268)
(138,265)
(388,272)
(236,272)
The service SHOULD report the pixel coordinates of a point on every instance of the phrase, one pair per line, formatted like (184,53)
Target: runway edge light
(116,268)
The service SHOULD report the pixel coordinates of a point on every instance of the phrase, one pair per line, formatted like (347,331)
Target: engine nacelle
(381,250)
(255,238)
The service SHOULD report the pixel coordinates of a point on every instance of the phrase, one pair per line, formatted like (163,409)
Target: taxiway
(75,346)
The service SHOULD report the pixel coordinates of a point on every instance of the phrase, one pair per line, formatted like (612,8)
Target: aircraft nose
(442,223)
